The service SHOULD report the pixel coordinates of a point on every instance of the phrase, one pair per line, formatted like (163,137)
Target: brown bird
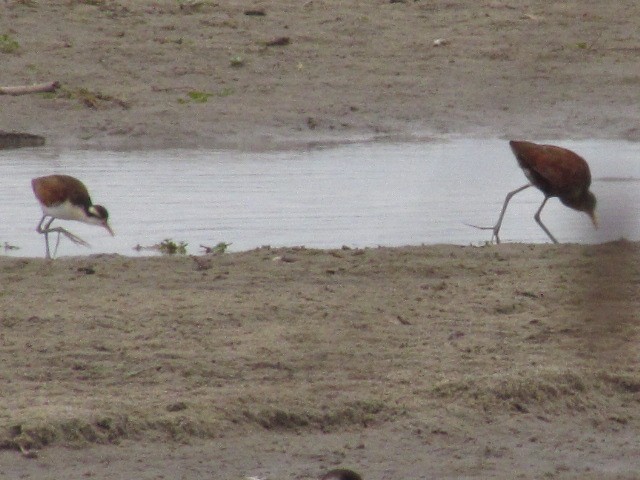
(555,171)
(66,198)
(341,474)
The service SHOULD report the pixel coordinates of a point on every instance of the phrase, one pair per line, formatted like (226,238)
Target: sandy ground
(510,361)
(153,74)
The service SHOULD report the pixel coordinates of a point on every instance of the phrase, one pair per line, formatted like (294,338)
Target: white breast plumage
(65,211)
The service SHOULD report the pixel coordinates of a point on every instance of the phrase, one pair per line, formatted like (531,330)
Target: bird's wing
(55,189)
(561,169)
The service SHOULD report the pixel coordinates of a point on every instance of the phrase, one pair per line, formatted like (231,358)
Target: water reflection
(357,195)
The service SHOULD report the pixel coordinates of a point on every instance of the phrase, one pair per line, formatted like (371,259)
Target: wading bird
(66,198)
(555,171)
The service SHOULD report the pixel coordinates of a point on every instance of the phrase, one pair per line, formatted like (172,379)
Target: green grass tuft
(8,44)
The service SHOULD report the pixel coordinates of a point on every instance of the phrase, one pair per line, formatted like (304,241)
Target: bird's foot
(75,239)
(494,229)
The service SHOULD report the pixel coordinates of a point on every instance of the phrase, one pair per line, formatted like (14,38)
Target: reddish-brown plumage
(556,171)
(56,189)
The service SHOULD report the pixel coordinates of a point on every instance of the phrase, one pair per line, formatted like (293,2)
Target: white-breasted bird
(66,198)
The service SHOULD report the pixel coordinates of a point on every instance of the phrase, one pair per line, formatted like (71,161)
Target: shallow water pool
(357,195)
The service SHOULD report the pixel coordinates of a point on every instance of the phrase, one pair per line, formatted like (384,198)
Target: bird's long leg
(45,230)
(55,249)
(537,217)
(496,227)
(59,230)
(46,236)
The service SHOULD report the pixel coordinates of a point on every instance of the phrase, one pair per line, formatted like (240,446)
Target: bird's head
(98,215)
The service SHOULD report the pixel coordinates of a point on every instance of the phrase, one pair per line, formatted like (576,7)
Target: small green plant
(169,247)
(225,92)
(89,98)
(8,44)
(199,97)
(219,248)
(237,61)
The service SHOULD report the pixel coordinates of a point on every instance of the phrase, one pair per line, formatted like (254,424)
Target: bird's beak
(106,225)
(594,219)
